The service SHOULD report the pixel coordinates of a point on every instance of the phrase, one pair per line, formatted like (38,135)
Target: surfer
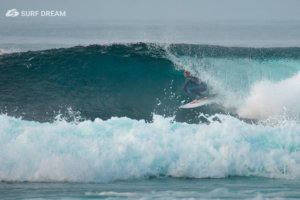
(198,87)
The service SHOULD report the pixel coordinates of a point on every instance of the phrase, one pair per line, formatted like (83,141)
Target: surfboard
(200,103)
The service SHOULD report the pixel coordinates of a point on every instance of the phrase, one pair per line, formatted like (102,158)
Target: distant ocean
(90,110)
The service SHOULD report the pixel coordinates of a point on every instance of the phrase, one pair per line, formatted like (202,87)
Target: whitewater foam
(122,148)
(270,99)
(11,50)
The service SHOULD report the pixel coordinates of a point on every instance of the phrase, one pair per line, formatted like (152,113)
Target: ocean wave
(123,148)
(138,79)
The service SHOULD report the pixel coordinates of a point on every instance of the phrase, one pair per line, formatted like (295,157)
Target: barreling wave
(139,79)
(108,112)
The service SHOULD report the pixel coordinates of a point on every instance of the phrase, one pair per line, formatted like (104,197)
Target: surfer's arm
(185,84)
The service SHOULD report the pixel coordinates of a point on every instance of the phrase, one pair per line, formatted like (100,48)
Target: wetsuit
(196,89)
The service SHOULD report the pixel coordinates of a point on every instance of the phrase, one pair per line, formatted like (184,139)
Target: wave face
(123,148)
(95,81)
(137,80)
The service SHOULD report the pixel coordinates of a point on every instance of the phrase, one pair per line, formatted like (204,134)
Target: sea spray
(271,99)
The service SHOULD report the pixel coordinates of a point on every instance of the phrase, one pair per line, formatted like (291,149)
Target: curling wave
(139,79)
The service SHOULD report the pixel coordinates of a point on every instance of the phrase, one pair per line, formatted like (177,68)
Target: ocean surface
(90,110)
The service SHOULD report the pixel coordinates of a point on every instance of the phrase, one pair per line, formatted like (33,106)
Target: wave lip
(122,148)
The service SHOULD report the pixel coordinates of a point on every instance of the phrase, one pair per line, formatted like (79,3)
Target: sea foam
(268,98)
(122,148)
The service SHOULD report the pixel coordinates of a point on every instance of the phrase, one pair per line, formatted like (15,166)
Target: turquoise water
(123,148)
(90,110)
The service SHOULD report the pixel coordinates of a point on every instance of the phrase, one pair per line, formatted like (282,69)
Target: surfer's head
(186,74)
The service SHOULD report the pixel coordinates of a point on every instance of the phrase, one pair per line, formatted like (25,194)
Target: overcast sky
(163,9)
